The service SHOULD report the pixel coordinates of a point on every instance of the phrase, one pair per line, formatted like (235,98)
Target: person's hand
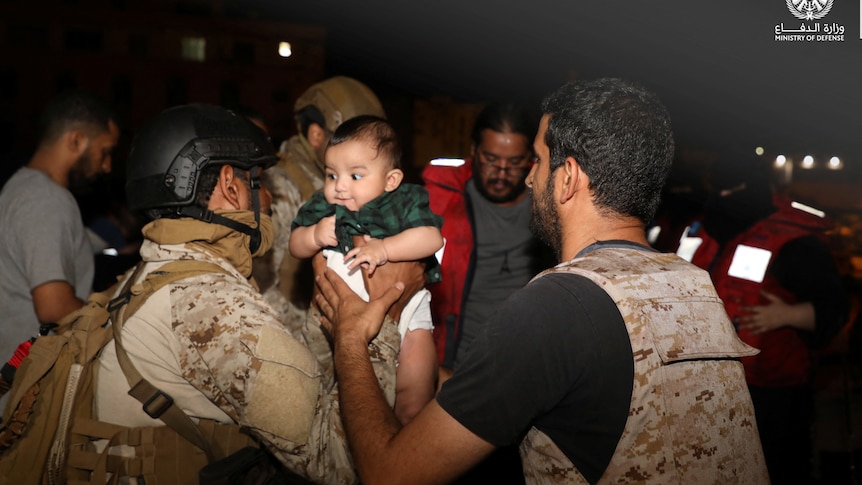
(370,255)
(324,233)
(347,316)
(410,273)
(778,313)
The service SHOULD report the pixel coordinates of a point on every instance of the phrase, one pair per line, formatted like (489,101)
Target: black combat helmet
(170,151)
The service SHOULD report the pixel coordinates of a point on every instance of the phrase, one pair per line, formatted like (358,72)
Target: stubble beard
(545,219)
(80,181)
(515,190)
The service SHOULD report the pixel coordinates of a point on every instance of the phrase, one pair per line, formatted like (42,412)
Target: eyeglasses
(513,166)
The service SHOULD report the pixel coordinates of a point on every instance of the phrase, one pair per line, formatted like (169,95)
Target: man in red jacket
(772,267)
(489,249)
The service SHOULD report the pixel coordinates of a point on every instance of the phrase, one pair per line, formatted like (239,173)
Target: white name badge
(687,247)
(749,263)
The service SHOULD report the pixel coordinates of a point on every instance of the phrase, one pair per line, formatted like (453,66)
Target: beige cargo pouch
(152,454)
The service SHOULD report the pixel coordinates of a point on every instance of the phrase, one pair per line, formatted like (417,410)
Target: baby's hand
(372,255)
(324,233)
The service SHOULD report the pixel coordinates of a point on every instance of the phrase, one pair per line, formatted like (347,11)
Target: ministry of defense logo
(809,9)
(810,29)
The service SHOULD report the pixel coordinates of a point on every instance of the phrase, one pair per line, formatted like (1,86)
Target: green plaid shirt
(391,213)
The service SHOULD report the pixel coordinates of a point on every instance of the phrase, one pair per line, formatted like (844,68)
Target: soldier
(212,342)
(617,366)
(285,281)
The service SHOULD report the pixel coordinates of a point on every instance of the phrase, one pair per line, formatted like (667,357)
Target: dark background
(715,64)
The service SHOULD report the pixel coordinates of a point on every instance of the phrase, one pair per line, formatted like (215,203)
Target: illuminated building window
(194,48)
(284,49)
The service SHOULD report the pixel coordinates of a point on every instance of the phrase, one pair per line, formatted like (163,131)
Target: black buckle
(167,402)
(119,301)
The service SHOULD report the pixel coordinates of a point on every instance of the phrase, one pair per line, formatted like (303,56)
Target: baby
(363,195)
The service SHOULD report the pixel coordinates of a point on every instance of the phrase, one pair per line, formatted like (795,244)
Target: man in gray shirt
(45,254)
(489,251)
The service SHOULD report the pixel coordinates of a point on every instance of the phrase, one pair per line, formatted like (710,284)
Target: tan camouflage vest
(296,276)
(691,419)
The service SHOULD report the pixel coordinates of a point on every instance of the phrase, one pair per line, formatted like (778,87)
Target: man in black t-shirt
(618,365)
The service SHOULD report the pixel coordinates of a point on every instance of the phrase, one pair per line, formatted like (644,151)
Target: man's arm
(434,447)
(778,313)
(416,374)
(54,300)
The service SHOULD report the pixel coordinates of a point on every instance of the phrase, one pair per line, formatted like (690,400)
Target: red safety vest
(446,191)
(784,358)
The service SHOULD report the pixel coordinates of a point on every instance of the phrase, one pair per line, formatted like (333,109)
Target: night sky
(716,65)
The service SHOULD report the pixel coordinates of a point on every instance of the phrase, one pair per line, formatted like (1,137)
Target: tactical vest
(691,418)
(50,434)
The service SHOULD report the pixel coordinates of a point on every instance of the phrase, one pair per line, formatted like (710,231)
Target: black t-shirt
(556,355)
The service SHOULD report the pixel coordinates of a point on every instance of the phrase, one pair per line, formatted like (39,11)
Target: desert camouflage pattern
(691,418)
(286,201)
(291,181)
(233,349)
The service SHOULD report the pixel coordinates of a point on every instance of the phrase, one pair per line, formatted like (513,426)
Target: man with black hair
(46,255)
(618,365)
(490,251)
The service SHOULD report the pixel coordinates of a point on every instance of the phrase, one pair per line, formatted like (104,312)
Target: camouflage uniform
(219,348)
(292,181)
(691,418)
(286,200)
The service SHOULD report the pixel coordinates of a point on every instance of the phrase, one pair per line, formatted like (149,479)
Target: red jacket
(446,190)
(784,357)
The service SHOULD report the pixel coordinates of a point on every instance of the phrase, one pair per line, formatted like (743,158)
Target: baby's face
(355,174)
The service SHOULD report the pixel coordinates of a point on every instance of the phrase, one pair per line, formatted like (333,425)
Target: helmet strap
(254,242)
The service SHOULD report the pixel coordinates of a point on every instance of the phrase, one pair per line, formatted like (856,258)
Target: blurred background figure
(772,267)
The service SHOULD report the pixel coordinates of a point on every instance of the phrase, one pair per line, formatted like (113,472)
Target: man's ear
(393,179)
(571,179)
(226,194)
(76,141)
(316,137)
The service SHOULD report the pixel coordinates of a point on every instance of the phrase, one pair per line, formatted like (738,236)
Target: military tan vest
(691,419)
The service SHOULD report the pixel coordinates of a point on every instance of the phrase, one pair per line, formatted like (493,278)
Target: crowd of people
(508,319)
